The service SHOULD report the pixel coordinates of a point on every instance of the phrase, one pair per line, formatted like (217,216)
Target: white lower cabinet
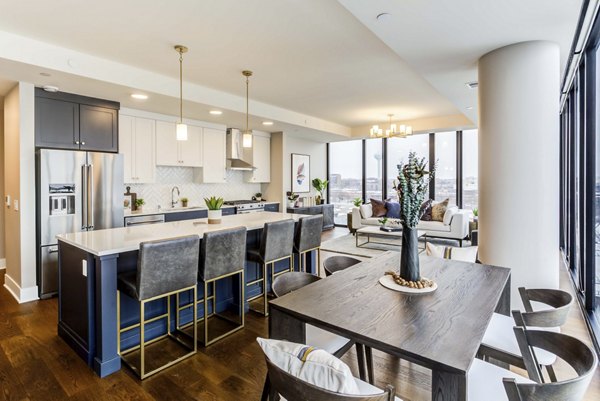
(136,144)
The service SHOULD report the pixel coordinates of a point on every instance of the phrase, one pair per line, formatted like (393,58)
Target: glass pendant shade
(182,132)
(247,139)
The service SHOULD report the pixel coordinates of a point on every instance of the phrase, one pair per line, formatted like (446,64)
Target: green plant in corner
(357,202)
(213,203)
(320,185)
(139,202)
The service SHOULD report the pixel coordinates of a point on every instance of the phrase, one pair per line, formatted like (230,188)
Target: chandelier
(393,131)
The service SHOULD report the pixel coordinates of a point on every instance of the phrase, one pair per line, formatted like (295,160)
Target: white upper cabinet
(213,160)
(171,152)
(136,144)
(260,159)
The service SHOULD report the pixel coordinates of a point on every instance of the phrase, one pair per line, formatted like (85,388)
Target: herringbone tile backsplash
(159,193)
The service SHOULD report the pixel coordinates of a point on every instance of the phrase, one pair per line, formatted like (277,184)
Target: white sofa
(455,225)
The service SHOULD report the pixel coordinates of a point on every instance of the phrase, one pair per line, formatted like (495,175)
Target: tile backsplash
(159,193)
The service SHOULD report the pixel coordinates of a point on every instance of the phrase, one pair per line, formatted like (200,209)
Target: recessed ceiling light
(472,85)
(267,122)
(469,107)
(383,17)
(50,88)
(139,96)
(44,74)
(216,112)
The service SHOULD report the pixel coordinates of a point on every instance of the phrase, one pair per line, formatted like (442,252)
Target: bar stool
(308,238)
(222,255)
(276,244)
(164,268)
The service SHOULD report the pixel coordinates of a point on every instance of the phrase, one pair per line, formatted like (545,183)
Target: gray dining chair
(545,309)
(334,264)
(319,338)
(279,384)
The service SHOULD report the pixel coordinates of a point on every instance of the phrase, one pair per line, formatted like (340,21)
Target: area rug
(347,245)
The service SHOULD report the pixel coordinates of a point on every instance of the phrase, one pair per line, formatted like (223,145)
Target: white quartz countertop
(150,211)
(125,239)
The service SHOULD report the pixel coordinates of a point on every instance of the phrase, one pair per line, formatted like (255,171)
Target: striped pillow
(467,254)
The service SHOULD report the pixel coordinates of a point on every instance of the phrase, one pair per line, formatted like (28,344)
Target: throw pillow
(467,254)
(379,209)
(366,211)
(393,210)
(313,365)
(450,212)
(438,210)
(425,211)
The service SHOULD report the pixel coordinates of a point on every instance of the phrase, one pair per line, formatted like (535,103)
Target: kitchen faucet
(173,201)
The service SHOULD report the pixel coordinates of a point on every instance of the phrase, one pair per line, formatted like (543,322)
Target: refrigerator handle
(84,197)
(90,197)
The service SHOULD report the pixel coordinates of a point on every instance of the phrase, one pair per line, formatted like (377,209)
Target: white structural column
(519,163)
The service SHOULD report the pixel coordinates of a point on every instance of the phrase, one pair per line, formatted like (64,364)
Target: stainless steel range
(246,206)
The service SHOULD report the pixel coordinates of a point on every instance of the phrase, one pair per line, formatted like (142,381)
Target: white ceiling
(444,39)
(319,65)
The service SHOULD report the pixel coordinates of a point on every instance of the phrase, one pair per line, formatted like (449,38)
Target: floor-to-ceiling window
(470,170)
(345,176)
(445,175)
(374,168)
(397,152)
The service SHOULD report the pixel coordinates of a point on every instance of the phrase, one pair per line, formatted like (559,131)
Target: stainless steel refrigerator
(76,191)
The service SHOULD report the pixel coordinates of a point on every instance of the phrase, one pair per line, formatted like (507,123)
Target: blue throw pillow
(393,210)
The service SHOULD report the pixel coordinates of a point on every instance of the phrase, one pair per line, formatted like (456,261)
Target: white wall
(518,163)
(2,218)
(19,177)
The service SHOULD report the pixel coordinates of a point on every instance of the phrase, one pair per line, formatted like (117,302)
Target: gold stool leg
(242,297)
(118,322)
(142,340)
(205,313)
(195,317)
(292,262)
(168,315)
(265,304)
(319,261)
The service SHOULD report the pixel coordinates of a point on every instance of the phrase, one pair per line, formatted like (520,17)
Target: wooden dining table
(441,330)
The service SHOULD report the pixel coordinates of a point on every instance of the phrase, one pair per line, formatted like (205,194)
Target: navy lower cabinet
(272,207)
(228,211)
(187,215)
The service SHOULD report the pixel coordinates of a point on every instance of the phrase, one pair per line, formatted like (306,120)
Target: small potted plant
(320,185)
(184,202)
(258,196)
(139,203)
(214,209)
(357,202)
(292,198)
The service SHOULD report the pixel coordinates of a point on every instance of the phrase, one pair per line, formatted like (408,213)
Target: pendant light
(247,137)
(182,134)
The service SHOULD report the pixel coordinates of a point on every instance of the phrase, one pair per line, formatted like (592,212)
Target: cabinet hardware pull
(83,143)
(76,142)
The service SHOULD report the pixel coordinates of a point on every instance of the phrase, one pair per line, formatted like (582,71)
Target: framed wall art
(300,173)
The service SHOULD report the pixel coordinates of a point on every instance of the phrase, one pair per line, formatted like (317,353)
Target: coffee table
(374,231)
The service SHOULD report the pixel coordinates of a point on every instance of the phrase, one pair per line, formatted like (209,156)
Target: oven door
(246,211)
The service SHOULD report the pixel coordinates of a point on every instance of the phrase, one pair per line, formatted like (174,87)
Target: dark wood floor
(35,364)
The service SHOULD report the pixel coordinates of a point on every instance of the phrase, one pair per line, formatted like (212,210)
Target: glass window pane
(470,169)
(374,175)
(345,177)
(398,149)
(445,174)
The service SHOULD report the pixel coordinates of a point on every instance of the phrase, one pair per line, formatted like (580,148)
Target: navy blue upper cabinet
(68,121)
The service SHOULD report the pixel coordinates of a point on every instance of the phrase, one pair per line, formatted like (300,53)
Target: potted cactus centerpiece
(214,209)
(412,187)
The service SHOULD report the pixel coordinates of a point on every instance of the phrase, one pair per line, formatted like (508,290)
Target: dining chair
(334,264)
(485,381)
(319,338)
(545,309)
(280,383)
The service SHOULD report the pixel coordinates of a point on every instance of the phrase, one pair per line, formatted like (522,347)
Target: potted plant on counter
(214,209)
(139,203)
(292,198)
(184,202)
(320,185)
(258,196)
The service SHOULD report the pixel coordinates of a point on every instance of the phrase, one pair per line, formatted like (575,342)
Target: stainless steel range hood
(235,151)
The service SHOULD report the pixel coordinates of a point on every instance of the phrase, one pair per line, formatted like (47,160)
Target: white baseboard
(22,295)
(2,264)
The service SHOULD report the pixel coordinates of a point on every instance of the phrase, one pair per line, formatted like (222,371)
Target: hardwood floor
(35,364)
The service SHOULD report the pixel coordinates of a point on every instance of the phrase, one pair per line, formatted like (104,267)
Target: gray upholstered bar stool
(307,239)
(222,255)
(164,268)
(276,244)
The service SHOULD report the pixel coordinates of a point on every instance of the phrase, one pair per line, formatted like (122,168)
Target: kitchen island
(88,266)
